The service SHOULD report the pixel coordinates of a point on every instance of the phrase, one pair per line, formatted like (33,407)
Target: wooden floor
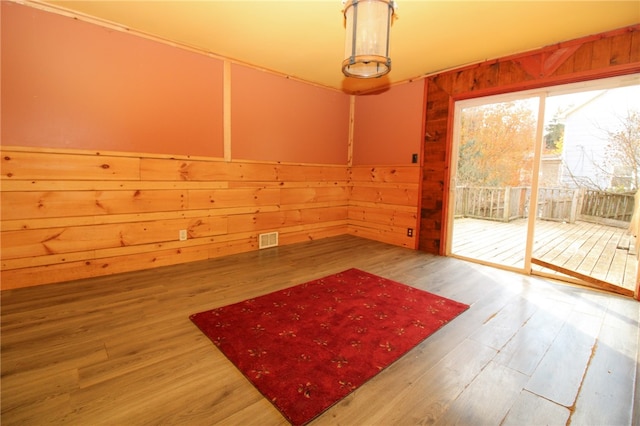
(121,350)
(603,252)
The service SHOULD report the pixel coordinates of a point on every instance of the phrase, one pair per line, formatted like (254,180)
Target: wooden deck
(603,252)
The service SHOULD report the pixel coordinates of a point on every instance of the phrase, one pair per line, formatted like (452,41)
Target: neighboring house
(586,139)
(550,170)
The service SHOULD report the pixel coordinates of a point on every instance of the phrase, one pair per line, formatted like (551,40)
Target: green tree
(554,135)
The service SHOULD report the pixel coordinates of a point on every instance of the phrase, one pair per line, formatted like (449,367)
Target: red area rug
(308,346)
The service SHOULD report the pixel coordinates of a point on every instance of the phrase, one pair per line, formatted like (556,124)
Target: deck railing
(492,203)
(607,207)
(558,204)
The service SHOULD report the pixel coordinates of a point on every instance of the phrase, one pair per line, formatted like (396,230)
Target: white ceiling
(305,39)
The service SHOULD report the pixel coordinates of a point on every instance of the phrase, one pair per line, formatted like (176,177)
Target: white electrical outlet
(182,235)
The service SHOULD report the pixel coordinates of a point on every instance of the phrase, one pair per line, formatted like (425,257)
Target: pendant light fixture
(367,41)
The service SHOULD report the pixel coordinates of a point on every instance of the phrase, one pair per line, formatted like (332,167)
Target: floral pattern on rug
(306,347)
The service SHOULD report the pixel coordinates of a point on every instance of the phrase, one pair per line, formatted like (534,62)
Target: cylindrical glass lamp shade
(367,41)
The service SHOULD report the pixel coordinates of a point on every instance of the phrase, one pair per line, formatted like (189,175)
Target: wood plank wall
(604,55)
(72,214)
(383,204)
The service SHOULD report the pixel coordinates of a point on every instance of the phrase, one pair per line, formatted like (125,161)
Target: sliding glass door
(543,182)
(590,166)
(492,180)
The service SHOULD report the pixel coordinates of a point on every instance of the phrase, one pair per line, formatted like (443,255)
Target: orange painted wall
(277,119)
(388,125)
(71,84)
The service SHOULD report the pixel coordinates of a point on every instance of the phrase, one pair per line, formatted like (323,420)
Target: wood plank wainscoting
(69,214)
(383,204)
(604,55)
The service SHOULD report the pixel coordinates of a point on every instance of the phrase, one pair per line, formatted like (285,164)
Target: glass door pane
(589,173)
(491,188)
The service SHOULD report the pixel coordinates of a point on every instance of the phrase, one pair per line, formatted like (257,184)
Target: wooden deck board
(564,242)
(579,258)
(630,273)
(618,266)
(603,252)
(594,253)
